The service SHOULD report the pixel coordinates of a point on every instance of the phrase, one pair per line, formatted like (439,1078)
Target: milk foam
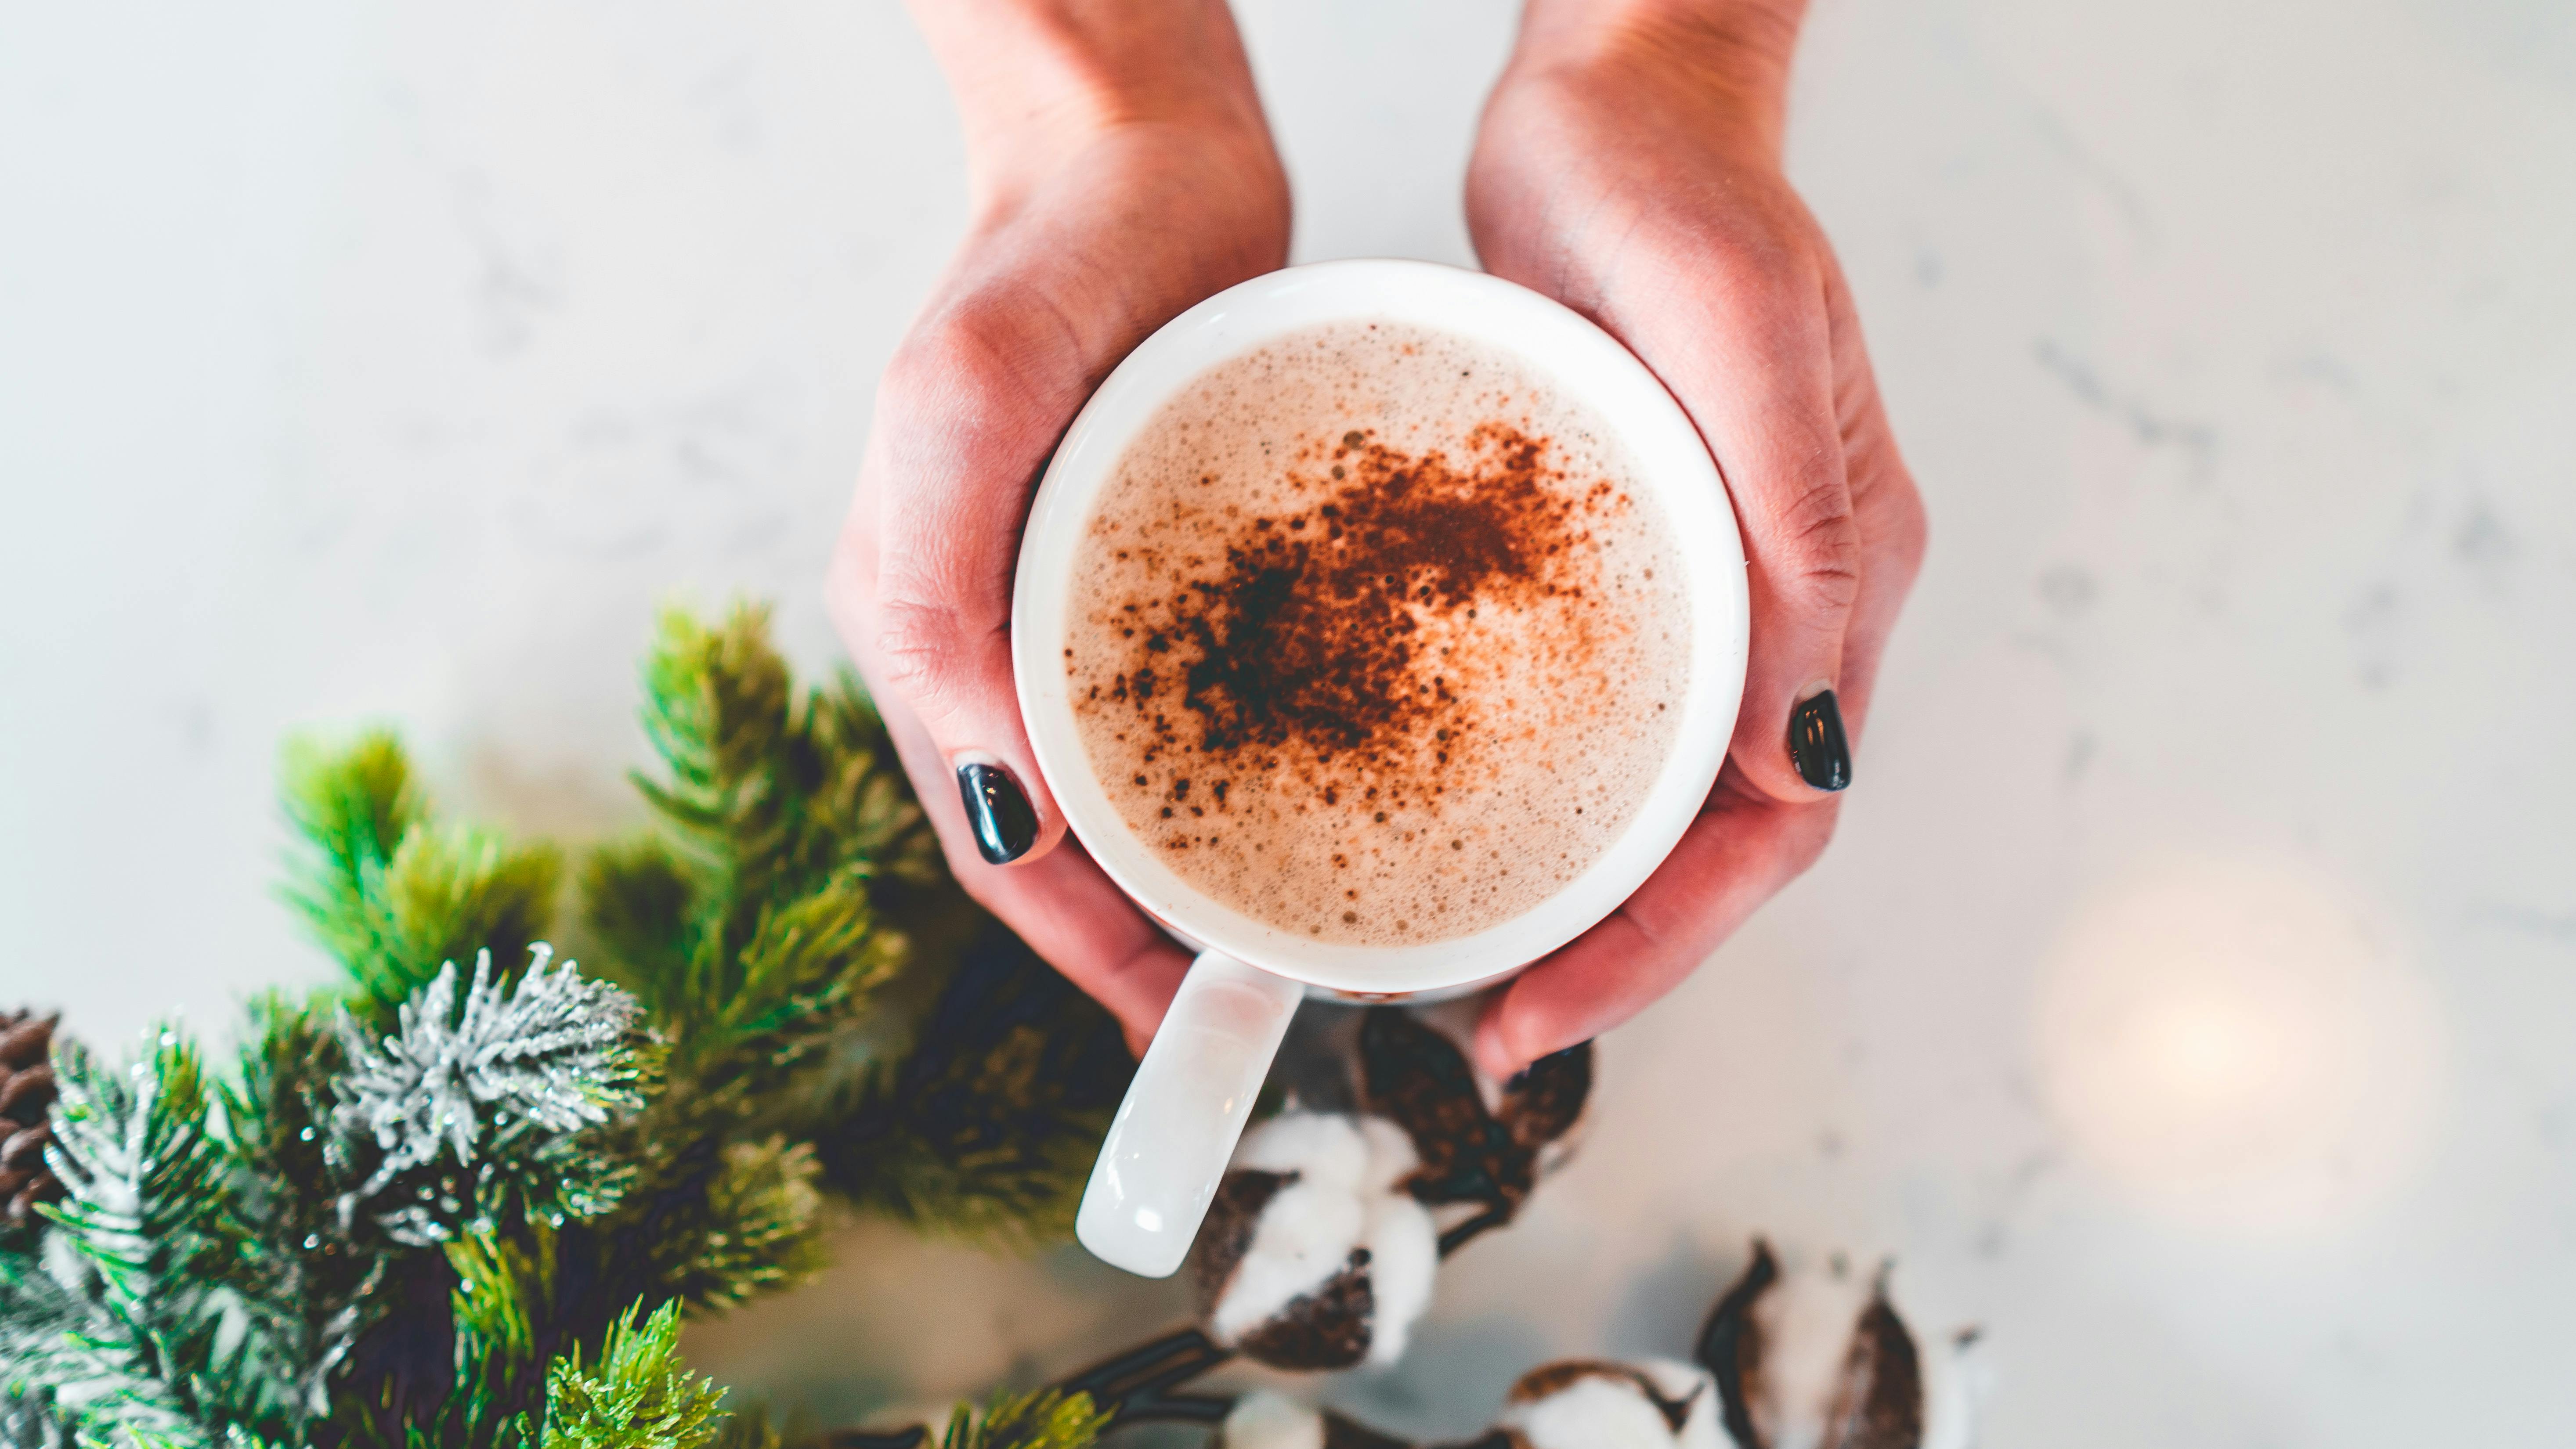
(1376,637)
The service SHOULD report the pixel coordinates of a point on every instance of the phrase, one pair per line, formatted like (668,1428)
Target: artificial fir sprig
(640,1395)
(474,1108)
(987,1128)
(149,1318)
(751,924)
(1038,1419)
(790,929)
(393,893)
(298,1252)
(461,1198)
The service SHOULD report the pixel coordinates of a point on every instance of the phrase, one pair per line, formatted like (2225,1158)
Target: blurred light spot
(2234,1042)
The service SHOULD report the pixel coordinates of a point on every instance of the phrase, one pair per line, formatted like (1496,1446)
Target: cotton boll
(1404,1257)
(1389,1160)
(1821,1359)
(1584,1404)
(1304,1230)
(1807,1324)
(1314,1255)
(1265,1420)
(1592,1413)
(1402,1241)
(1328,1146)
(1303,1237)
(1954,1391)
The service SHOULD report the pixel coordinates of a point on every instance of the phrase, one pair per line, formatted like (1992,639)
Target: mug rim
(1576,356)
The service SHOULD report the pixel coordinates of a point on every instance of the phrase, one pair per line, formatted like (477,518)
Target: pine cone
(26,1097)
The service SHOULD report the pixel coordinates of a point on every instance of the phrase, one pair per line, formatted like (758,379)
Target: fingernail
(1816,743)
(1005,827)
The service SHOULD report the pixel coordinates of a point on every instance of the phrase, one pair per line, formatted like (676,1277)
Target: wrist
(1730,56)
(1038,80)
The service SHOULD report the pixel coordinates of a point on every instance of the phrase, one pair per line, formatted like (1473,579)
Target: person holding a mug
(1628,167)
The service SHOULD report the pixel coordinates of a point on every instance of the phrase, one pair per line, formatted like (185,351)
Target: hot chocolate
(1375,636)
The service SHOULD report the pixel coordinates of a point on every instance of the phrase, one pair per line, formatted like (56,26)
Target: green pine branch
(1039,1419)
(423,1212)
(30,1420)
(157,1328)
(640,1394)
(293,1250)
(752,925)
(763,1222)
(138,1167)
(987,1127)
(392,893)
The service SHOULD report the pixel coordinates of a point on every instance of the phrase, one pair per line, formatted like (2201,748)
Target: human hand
(1629,166)
(1121,172)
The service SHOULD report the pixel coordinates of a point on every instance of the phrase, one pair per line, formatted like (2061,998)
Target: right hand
(1121,172)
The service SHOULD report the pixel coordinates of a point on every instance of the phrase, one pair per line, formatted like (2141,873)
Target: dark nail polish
(1816,743)
(1005,827)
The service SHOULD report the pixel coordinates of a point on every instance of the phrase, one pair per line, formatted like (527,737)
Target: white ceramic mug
(1170,1141)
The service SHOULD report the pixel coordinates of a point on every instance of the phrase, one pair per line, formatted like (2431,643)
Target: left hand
(1629,166)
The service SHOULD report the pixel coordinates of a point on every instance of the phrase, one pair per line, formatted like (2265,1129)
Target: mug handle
(1169,1144)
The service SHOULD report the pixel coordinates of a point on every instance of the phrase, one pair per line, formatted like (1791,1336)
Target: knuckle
(983,348)
(1889,508)
(1817,541)
(918,646)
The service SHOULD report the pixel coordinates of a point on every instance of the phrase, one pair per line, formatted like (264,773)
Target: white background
(2188,998)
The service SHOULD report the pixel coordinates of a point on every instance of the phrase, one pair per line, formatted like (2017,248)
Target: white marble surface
(2189,997)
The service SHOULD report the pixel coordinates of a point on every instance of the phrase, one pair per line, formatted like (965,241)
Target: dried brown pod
(1418,1078)
(1822,1358)
(1544,1103)
(26,1116)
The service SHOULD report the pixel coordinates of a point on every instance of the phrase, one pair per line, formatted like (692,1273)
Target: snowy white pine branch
(545,1059)
(92,1325)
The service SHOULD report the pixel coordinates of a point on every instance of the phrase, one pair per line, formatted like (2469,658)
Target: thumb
(921,586)
(1753,368)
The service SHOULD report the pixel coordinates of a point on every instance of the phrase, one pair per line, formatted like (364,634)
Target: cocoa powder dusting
(1310,638)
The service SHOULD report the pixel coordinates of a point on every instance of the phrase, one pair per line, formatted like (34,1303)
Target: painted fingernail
(1816,743)
(1005,827)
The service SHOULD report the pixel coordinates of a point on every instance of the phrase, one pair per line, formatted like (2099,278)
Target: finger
(921,585)
(1731,860)
(1064,906)
(1737,328)
(1750,359)
(1744,849)
(1886,508)
(1031,320)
